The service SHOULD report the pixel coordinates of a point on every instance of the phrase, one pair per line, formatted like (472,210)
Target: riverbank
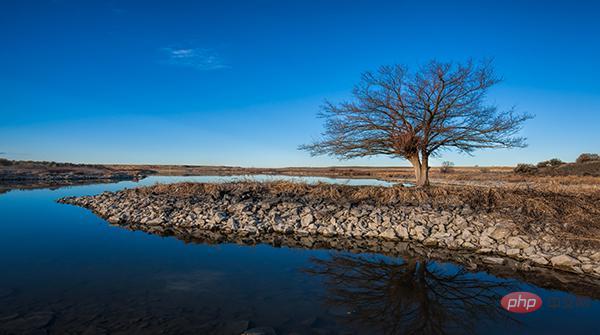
(35,174)
(537,229)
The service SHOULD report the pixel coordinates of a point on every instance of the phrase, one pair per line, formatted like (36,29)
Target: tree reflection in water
(410,297)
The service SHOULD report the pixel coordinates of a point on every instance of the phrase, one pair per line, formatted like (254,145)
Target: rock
(540,260)
(565,262)
(595,257)
(418,233)
(466,235)
(587,268)
(402,232)
(307,219)
(460,222)
(155,222)
(219,217)
(583,259)
(529,250)
(260,331)
(375,222)
(485,241)
(502,248)
(430,242)
(516,242)
(483,251)
(493,260)
(389,233)
(512,252)
(500,233)
(232,223)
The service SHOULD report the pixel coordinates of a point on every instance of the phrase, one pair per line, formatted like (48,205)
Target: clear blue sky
(240,83)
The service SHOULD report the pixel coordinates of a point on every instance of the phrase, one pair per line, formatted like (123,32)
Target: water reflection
(67,271)
(6,186)
(409,297)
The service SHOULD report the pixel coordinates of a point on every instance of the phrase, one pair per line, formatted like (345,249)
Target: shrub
(555,162)
(543,164)
(447,167)
(5,162)
(587,157)
(525,169)
(484,170)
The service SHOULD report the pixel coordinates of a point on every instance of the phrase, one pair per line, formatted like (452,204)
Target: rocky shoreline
(494,238)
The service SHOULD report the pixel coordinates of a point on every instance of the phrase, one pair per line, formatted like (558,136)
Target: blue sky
(240,83)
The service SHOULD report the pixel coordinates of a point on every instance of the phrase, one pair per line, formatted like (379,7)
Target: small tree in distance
(417,115)
(447,167)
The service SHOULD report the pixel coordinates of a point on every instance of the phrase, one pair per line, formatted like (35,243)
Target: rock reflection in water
(409,297)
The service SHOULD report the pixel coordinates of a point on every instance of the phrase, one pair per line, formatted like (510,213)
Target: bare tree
(417,115)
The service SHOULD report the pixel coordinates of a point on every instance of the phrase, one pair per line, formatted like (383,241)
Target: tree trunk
(416,163)
(424,180)
(421,167)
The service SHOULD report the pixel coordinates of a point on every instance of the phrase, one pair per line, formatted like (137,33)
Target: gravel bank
(248,213)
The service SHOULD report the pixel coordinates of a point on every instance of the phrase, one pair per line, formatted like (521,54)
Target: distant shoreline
(570,177)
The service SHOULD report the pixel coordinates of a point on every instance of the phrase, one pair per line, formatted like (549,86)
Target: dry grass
(576,215)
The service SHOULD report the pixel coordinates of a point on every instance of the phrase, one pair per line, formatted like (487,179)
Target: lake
(64,270)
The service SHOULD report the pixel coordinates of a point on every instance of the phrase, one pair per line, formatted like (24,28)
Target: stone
(564,262)
(540,260)
(493,260)
(307,219)
(460,222)
(587,268)
(232,223)
(402,232)
(418,233)
(500,233)
(529,250)
(389,233)
(502,248)
(512,252)
(430,242)
(583,259)
(466,235)
(486,242)
(595,257)
(516,242)
(219,217)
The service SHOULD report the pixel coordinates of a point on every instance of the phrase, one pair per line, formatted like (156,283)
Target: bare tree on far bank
(417,115)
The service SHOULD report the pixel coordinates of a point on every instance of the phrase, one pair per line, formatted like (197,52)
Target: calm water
(65,270)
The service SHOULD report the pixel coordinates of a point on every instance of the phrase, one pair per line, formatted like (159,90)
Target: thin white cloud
(203,59)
